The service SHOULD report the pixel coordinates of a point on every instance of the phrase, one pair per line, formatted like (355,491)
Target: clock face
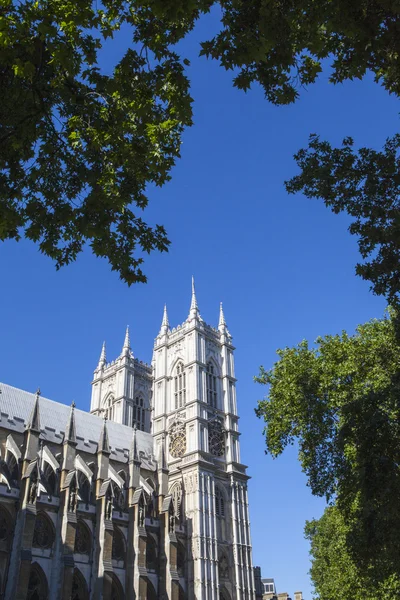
(177,443)
(216,438)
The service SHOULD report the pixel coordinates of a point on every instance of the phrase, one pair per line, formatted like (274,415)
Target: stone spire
(165,323)
(104,445)
(194,309)
(34,420)
(126,348)
(133,453)
(222,322)
(70,430)
(102,359)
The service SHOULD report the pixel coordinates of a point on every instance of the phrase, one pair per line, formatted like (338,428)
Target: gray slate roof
(16,407)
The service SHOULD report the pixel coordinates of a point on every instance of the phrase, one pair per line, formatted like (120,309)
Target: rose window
(177,443)
(216,438)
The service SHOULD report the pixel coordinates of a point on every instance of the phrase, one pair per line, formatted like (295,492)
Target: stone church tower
(194,410)
(144,497)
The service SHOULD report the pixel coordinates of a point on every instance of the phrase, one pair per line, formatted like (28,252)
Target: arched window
(211,385)
(220,514)
(83,538)
(51,478)
(79,587)
(6,529)
(180,387)
(84,491)
(219,503)
(108,407)
(37,586)
(43,534)
(151,554)
(180,559)
(13,467)
(138,413)
(118,546)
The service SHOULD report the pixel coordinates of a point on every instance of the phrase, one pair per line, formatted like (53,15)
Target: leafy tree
(340,401)
(78,147)
(333,571)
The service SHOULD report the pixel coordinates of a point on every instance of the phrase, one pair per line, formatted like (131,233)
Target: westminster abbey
(143,497)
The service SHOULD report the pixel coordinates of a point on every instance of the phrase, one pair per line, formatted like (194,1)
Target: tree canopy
(340,401)
(333,572)
(79,147)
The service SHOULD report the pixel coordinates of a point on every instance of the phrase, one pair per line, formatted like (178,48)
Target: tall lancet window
(108,408)
(180,387)
(211,386)
(138,413)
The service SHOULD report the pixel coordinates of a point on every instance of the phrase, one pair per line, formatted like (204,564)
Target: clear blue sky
(282,265)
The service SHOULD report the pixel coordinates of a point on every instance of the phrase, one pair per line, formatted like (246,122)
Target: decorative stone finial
(222,322)
(102,359)
(34,420)
(104,445)
(126,348)
(70,430)
(165,323)
(194,309)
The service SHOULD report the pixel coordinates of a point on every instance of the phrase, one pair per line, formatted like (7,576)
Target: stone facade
(145,496)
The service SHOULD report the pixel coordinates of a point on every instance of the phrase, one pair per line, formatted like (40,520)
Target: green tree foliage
(365,184)
(340,401)
(78,147)
(333,572)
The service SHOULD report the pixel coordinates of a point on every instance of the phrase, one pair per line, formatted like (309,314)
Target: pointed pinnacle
(194,309)
(165,323)
(70,430)
(104,445)
(126,348)
(222,322)
(133,454)
(102,359)
(34,420)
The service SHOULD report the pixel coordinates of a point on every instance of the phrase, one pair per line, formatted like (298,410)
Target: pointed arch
(83,538)
(152,553)
(212,383)
(108,406)
(118,546)
(179,385)
(44,532)
(84,487)
(6,528)
(176,491)
(38,588)
(79,586)
(177,359)
(151,592)
(117,591)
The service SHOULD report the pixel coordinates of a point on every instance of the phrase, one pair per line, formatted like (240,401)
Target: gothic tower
(121,389)
(195,418)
